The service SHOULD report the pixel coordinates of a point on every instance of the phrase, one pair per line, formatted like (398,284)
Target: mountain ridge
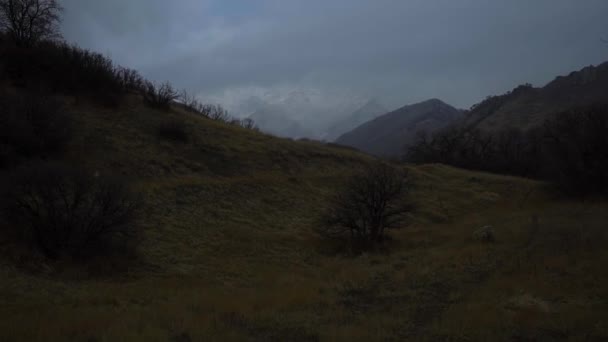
(389,134)
(526,107)
(369,111)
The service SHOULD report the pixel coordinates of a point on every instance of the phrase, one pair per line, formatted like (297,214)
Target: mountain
(294,111)
(526,107)
(271,119)
(389,134)
(371,110)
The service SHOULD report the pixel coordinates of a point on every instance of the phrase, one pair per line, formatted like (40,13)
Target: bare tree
(159,96)
(575,148)
(130,80)
(193,105)
(29,21)
(249,124)
(215,112)
(189,101)
(370,203)
(66,210)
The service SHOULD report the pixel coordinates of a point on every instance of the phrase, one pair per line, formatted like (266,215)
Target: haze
(325,58)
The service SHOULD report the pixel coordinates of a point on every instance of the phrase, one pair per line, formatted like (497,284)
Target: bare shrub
(369,204)
(66,211)
(249,124)
(576,150)
(159,96)
(215,112)
(209,111)
(191,103)
(130,80)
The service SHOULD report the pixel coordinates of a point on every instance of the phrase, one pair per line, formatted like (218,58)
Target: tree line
(570,149)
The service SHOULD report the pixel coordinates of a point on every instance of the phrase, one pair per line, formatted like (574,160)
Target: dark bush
(370,203)
(64,68)
(576,150)
(509,151)
(191,104)
(159,96)
(173,130)
(32,126)
(130,80)
(58,67)
(215,112)
(66,211)
(570,149)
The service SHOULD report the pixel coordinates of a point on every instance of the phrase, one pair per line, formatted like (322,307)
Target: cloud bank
(335,54)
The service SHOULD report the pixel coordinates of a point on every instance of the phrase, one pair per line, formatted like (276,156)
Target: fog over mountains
(238,53)
(370,110)
(305,120)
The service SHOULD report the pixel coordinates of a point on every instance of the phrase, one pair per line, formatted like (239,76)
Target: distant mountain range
(524,107)
(370,130)
(369,111)
(389,135)
(297,112)
(272,120)
(304,122)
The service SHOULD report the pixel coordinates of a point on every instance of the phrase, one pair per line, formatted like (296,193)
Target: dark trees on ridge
(30,21)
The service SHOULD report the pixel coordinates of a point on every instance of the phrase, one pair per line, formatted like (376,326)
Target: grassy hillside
(228,251)
(526,107)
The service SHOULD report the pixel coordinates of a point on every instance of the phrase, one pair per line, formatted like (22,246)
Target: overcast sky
(334,53)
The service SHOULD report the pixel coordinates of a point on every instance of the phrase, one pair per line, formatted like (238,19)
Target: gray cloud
(398,51)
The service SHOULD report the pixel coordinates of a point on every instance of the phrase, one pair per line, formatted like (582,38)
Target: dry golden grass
(229,253)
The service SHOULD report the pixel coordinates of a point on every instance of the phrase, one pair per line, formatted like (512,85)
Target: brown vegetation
(369,204)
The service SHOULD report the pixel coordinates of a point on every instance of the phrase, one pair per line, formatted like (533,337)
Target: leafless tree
(249,124)
(370,203)
(193,105)
(66,210)
(29,21)
(129,79)
(215,112)
(188,100)
(159,96)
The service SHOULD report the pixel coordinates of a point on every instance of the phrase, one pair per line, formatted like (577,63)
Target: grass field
(229,252)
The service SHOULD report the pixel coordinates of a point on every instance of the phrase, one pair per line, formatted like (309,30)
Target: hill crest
(390,134)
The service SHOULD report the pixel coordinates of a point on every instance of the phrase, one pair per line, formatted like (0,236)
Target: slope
(526,107)
(390,134)
(367,112)
(228,251)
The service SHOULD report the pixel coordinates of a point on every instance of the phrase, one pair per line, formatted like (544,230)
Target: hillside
(367,112)
(390,134)
(228,251)
(526,107)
